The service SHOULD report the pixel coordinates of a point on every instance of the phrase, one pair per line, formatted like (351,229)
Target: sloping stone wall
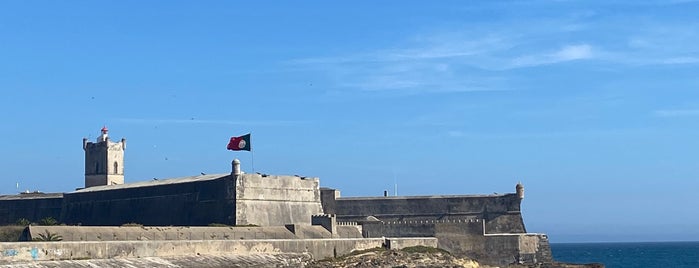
(276,200)
(194,203)
(32,206)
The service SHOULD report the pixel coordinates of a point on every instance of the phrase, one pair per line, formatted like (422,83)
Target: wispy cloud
(676,113)
(567,53)
(484,56)
(442,64)
(209,122)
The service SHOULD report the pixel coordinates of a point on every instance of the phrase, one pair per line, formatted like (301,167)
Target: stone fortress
(285,213)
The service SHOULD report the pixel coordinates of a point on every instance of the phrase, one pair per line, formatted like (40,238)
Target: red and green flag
(241,143)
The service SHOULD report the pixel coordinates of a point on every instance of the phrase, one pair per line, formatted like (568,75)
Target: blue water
(616,255)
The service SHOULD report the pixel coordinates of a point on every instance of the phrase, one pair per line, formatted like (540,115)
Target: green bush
(48,236)
(23,222)
(48,221)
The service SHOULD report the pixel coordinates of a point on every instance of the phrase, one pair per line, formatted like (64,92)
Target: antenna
(395,183)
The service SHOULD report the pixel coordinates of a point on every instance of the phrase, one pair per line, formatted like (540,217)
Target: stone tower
(520,190)
(104,161)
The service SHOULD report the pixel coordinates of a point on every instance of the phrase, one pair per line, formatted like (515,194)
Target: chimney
(236,167)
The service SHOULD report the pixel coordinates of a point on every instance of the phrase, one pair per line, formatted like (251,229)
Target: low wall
(42,251)
(317,248)
(208,261)
(117,233)
(517,248)
(399,243)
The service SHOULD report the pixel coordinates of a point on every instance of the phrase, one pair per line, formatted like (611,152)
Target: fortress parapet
(328,222)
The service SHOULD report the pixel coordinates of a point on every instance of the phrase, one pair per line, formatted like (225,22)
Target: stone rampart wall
(318,248)
(32,208)
(276,200)
(501,212)
(196,203)
(108,233)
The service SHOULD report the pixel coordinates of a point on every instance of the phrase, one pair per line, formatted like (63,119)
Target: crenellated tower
(104,161)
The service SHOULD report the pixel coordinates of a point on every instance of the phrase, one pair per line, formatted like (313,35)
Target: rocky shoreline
(420,257)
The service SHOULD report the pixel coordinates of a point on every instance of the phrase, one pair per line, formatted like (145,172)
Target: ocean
(618,255)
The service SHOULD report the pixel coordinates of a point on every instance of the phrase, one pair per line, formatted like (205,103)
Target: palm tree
(48,236)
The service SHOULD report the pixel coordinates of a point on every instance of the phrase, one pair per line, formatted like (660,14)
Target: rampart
(146,233)
(501,212)
(243,199)
(196,201)
(30,206)
(275,200)
(317,248)
(468,238)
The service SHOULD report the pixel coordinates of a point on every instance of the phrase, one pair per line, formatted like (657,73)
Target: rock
(396,258)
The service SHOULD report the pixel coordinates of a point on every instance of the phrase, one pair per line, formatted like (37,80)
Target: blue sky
(594,106)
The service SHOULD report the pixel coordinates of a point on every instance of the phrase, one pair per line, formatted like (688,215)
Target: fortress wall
(32,207)
(516,248)
(501,212)
(327,198)
(401,229)
(318,248)
(109,233)
(453,235)
(276,200)
(187,203)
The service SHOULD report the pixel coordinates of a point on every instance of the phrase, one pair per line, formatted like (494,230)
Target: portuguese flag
(241,143)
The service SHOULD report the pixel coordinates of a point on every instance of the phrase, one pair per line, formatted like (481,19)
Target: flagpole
(252,154)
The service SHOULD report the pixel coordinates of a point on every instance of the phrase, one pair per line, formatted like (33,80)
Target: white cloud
(567,53)
(575,52)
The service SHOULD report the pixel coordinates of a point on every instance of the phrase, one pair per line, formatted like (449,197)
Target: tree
(48,236)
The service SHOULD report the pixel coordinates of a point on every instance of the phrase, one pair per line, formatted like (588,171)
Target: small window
(97,167)
(116,168)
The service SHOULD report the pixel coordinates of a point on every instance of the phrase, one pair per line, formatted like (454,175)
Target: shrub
(23,222)
(48,221)
(48,236)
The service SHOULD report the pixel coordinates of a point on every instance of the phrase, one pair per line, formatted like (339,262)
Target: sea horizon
(652,254)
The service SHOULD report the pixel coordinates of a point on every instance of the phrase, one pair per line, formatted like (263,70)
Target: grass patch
(424,249)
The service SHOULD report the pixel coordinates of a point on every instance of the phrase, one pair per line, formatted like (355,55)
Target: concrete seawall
(316,248)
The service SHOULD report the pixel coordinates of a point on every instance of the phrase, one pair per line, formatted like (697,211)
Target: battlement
(433,221)
(322,216)
(326,220)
